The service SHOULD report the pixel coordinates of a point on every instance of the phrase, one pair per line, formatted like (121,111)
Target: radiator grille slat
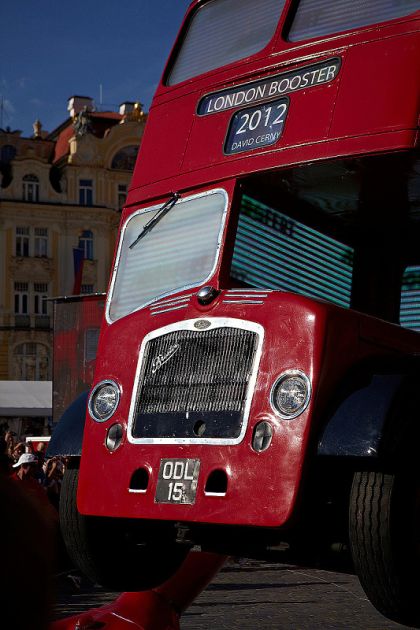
(195,375)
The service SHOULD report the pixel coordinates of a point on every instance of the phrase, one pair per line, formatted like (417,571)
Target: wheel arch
(374,418)
(67,437)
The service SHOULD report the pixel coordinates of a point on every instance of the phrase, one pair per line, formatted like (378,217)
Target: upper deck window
(315,18)
(223,31)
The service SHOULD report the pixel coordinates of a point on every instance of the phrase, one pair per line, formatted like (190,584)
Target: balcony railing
(22,321)
(40,322)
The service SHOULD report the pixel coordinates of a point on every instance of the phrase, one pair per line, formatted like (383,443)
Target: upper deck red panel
(371,106)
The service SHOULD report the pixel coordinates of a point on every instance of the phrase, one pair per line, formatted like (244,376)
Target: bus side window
(274,251)
(410,298)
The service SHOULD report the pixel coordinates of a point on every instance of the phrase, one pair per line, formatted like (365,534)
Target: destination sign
(256,127)
(270,87)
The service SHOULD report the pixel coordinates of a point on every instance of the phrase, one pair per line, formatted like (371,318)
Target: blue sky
(51,49)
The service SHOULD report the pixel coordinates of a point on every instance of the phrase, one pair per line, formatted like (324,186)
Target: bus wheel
(119,554)
(385,542)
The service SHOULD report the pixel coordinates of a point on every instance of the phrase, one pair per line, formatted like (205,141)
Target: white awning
(25,398)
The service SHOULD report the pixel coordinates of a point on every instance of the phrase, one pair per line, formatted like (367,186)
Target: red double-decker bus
(258,366)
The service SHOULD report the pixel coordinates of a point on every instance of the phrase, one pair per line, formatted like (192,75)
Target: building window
(21,298)
(86,244)
(86,192)
(122,195)
(41,242)
(40,298)
(22,241)
(32,362)
(31,242)
(30,188)
(125,159)
(86,288)
(7,153)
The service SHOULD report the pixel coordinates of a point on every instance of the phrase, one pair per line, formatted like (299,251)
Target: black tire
(384,541)
(119,554)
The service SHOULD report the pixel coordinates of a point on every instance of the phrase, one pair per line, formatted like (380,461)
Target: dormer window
(30,188)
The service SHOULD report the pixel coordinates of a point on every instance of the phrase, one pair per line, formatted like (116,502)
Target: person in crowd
(25,471)
(17,451)
(9,438)
(40,455)
(5,461)
(27,551)
(53,477)
(29,448)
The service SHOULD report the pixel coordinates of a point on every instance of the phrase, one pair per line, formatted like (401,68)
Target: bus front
(258,283)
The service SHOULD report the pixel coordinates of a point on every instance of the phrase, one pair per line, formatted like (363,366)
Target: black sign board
(270,88)
(256,127)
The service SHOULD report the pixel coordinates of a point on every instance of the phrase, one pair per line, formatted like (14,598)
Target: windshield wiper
(158,217)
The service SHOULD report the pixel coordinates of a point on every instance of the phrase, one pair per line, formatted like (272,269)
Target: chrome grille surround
(159,360)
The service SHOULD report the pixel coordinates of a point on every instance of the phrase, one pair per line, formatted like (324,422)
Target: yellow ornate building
(58,191)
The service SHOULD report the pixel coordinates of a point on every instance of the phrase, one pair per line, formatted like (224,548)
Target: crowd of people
(27,465)
(32,549)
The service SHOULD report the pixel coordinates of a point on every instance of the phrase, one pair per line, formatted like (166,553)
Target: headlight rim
(282,377)
(103,383)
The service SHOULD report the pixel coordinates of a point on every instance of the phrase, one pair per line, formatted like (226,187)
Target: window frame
(30,244)
(24,368)
(265,50)
(21,298)
(41,242)
(30,188)
(155,209)
(306,256)
(294,9)
(40,297)
(86,243)
(22,242)
(86,192)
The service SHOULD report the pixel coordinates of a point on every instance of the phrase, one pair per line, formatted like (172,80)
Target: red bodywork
(322,340)
(371,107)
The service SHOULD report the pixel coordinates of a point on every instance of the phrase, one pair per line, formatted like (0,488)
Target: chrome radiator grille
(194,383)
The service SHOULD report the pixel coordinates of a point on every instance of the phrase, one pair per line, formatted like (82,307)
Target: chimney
(126,108)
(76,104)
(131,112)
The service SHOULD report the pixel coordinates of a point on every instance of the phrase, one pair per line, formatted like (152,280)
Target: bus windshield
(180,252)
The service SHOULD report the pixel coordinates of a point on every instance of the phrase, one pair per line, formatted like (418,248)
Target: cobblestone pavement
(253,594)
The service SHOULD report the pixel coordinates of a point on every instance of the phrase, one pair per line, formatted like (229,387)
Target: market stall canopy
(25,398)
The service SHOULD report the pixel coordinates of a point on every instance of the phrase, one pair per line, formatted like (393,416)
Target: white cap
(26,458)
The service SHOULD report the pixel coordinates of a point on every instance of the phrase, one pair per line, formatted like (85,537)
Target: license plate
(177,481)
(256,127)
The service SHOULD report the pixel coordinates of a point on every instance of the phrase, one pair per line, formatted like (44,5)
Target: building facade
(59,192)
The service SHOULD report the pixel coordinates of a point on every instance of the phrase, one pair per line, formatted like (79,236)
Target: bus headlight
(290,394)
(104,400)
